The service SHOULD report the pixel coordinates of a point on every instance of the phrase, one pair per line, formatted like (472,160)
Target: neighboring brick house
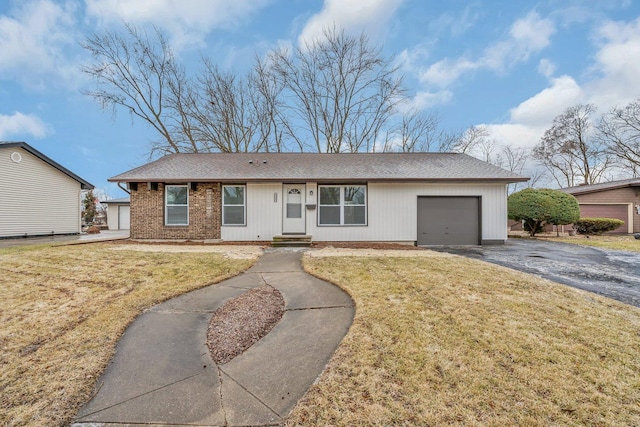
(415,198)
(615,199)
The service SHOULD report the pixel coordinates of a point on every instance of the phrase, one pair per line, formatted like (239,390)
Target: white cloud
(527,36)
(532,33)
(351,15)
(188,22)
(18,124)
(408,59)
(456,24)
(514,135)
(540,109)
(546,68)
(443,73)
(33,44)
(617,66)
(528,121)
(613,82)
(531,118)
(424,99)
(463,23)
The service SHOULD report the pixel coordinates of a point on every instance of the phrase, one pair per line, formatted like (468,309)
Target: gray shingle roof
(603,186)
(290,167)
(85,185)
(121,200)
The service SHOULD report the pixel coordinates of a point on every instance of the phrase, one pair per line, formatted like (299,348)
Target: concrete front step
(294,244)
(291,241)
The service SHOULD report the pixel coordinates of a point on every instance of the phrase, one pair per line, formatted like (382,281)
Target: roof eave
(84,185)
(598,190)
(320,180)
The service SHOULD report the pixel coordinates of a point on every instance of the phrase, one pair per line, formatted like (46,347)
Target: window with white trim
(233,205)
(342,205)
(176,205)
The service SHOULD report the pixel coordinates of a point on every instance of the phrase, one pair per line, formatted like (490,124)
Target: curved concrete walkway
(162,372)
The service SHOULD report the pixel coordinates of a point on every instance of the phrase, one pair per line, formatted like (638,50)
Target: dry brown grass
(453,341)
(63,309)
(622,243)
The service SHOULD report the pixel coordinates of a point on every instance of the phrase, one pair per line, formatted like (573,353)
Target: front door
(293,209)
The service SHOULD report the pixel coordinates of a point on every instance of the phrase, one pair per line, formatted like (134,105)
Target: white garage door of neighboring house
(619,211)
(448,221)
(124,218)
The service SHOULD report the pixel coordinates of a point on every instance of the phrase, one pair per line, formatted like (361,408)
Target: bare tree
(513,160)
(215,112)
(338,94)
(471,139)
(569,150)
(223,111)
(448,140)
(619,129)
(266,93)
(415,132)
(341,92)
(133,72)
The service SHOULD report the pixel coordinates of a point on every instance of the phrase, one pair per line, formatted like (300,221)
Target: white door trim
(293,209)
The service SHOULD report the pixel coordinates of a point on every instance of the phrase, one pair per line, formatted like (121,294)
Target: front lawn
(445,340)
(622,243)
(437,339)
(64,308)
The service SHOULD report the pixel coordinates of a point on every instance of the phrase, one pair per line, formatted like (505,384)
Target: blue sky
(509,65)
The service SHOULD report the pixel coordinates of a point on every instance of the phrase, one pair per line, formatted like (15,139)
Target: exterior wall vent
(16,157)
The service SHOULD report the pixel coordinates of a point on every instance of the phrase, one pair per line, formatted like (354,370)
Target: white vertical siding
(264,215)
(391,210)
(35,197)
(113,216)
(311,199)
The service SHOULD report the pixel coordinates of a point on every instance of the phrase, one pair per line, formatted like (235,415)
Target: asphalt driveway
(615,274)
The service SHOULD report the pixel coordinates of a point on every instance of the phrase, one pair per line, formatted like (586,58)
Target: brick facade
(148,211)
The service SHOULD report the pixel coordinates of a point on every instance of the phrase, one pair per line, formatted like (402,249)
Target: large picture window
(176,205)
(342,205)
(233,205)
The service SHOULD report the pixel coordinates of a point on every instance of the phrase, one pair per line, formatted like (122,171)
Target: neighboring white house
(37,195)
(118,213)
(415,198)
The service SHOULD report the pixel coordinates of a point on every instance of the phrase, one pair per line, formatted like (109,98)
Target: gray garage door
(448,221)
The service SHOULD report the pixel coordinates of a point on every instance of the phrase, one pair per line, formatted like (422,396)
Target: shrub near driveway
(63,309)
(445,340)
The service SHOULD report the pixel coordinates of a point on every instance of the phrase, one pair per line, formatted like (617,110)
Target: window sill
(342,225)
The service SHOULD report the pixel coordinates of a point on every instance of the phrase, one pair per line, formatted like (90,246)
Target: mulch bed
(243,321)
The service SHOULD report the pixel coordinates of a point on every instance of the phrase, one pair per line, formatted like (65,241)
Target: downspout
(123,188)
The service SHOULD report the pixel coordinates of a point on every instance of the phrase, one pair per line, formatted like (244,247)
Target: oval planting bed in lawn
(243,321)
